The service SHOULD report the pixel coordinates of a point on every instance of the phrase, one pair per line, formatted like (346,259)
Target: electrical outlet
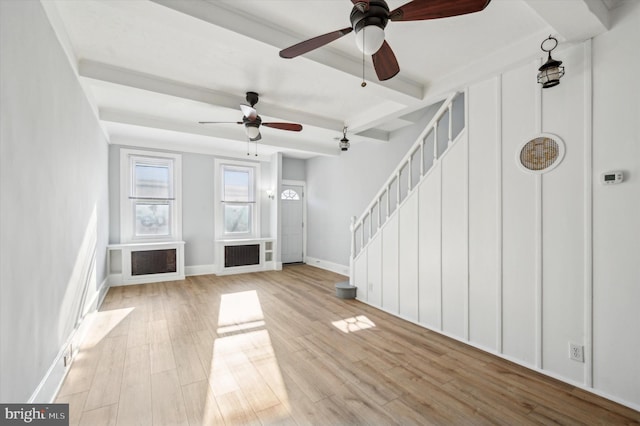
(576,352)
(68,356)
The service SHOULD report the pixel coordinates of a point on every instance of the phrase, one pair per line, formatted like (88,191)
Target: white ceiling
(156,68)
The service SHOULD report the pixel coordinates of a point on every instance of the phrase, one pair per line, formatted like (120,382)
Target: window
(237,190)
(289,194)
(149,196)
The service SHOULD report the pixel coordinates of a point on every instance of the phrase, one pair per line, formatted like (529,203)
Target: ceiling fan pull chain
(364,83)
(248,146)
(256,149)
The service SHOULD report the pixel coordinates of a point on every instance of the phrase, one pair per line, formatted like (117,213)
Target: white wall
(54,209)
(293,169)
(616,209)
(198,219)
(522,264)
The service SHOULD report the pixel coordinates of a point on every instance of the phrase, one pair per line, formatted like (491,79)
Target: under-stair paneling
(408,259)
(374,271)
(484,213)
(563,190)
(519,217)
(361,279)
(429,243)
(390,265)
(454,241)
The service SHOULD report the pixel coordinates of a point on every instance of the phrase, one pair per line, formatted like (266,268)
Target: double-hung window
(150,202)
(238,211)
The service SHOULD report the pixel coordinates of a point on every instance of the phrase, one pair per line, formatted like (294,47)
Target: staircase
(384,239)
(410,172)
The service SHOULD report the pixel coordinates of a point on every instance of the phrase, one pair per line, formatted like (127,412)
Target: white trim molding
(328,266)
(193,270)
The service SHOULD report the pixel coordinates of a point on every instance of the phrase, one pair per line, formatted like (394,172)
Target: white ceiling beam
(107,73)
(575,20)
(104,72)
(229,134)
(398,89)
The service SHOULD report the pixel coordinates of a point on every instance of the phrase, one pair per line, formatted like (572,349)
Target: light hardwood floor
(280,348)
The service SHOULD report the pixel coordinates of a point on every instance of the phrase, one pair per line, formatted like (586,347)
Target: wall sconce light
(270,194)
(550,72)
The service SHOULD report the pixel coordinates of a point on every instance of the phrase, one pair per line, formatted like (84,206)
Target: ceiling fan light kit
(369,19)
(369,27)
(252,130)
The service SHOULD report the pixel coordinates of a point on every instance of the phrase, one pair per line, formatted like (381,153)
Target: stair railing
(364,228)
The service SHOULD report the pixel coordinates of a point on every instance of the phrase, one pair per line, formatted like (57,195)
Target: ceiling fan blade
(385,62)
(220,122)
(284,126)
(418,10)
(313,43)
(249,112)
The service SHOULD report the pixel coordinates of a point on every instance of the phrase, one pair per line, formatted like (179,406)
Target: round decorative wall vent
(541,154)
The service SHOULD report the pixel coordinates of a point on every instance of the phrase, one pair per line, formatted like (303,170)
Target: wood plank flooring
(280,348)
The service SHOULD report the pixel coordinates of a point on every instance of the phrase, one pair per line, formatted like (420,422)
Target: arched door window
(289,194)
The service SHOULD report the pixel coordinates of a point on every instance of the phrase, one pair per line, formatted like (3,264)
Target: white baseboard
(115,280)
(329,266)
(50,384)
(199,270)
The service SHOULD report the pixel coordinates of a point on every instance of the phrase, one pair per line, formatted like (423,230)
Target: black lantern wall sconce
(550,72)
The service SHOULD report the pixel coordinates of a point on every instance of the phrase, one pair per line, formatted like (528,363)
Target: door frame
(303,184)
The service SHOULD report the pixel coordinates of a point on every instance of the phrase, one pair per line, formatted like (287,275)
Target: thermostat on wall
(609,178)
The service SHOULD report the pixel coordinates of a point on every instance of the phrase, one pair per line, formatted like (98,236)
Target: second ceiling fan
(252,121)
(369,19)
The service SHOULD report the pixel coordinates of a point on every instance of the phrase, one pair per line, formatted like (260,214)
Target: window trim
(255,231)
(128,159)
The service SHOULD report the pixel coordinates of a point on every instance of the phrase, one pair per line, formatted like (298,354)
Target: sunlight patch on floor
(240,327)
(353,324)
(244,375)
(239,308)
(102,323)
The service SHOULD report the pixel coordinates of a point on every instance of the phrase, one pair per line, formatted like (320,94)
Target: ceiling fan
(369,19)
(252,121)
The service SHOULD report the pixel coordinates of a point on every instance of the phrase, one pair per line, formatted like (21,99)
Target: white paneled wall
(390,261)
(429,250)
(487,253)
(485,239)
(408,258)
(520,226)
(454,240)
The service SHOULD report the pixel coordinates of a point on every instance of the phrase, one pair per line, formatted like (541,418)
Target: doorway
(293,226)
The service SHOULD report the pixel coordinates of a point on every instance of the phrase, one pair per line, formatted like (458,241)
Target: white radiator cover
(120,263)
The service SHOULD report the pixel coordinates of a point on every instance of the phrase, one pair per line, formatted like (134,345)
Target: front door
(291,199)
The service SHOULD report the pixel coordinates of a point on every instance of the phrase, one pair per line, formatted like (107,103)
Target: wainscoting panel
(408,258)
(454,241)
(484,214)
(390,265)
(429,246)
